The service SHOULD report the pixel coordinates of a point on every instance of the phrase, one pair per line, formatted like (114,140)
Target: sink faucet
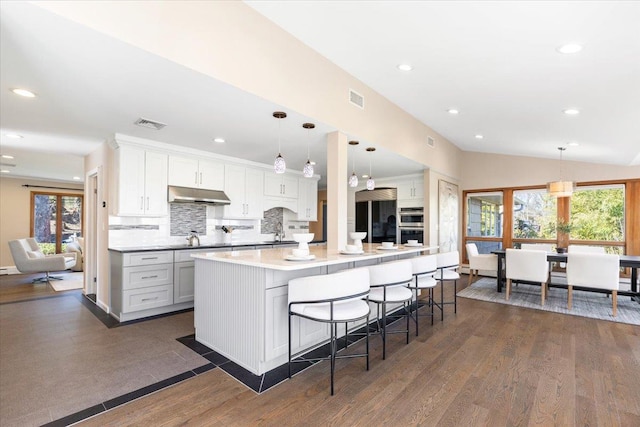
(279,232)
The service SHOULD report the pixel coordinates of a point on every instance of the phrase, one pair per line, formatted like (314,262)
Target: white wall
(481,170)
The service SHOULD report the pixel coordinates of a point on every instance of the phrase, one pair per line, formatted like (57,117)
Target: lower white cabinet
(183,281)
(142,285)
(146,298)
(183,273)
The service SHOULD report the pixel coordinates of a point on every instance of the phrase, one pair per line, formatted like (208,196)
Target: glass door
(55,218)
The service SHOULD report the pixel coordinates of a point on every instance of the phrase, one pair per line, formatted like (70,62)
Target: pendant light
(307,171)
(371,184)
(279,166)
(561,188)
(353,179)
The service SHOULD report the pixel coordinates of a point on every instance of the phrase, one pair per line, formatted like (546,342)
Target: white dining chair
(334,299)
(527,265)
(537,247)
(585,249)
(478,261)
(592,270)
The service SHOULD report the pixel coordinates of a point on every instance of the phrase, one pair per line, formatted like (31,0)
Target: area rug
(70,281)
(585,304)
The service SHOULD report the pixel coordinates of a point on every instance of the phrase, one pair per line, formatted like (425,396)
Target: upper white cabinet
(308,199)
(244,186)
(142,182)
(411,193)
(190,172)
(280,185)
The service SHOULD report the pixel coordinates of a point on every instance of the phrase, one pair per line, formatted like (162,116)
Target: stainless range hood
(196,195)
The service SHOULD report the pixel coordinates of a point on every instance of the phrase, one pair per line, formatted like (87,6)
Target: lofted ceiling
(493,61)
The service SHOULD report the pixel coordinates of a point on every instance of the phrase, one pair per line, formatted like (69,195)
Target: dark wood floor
(489,365)
(19,287)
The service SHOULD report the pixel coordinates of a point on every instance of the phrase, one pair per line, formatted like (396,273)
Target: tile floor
(57,358)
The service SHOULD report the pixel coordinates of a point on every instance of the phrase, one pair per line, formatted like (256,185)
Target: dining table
(626,261)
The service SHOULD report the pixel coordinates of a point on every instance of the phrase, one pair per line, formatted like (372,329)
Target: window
(484,214)
(597,215)
(55,218)
(534,214)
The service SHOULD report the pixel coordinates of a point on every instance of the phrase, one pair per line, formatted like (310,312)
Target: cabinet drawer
(145,276)
(147,258)
(146,298)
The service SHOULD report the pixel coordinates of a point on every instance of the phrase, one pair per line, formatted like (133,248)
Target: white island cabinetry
(241,301)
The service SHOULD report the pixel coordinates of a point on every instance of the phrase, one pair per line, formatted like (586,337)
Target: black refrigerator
(376,214)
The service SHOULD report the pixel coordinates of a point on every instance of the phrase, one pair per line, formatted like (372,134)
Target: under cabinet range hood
(196,195)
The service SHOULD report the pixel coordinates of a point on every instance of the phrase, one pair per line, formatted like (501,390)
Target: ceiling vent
(146,123)
(431,142)
(356,99)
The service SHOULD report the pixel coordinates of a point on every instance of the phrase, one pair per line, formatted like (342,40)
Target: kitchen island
(241,300)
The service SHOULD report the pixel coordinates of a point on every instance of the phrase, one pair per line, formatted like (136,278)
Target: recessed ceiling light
(313,163)
(452,111)
(478,136)
(405,67)
(24,92)
(77,178)
(6,156)
(573,144)
(571,111)
(569,48)
(218,140)
(13,136)
(365,176)
(4,171)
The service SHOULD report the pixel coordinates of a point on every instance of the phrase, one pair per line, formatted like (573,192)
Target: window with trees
(55,217)
(597,214)
(534,215)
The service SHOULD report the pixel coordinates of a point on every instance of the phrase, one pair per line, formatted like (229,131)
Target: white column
(337,190)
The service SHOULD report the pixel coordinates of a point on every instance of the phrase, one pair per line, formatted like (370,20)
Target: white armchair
(29,259)
(477,261)
(76,246)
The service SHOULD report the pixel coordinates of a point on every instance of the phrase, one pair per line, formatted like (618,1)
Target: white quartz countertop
(275,258)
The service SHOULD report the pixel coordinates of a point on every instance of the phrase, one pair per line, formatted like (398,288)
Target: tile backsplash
(185,217)
(206,220)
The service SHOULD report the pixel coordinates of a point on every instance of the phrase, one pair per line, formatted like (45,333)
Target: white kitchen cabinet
(190,172)
(244,187)
(142,182)
(183,273)
(411,193)
(308,199)
(280,185)
(142,284)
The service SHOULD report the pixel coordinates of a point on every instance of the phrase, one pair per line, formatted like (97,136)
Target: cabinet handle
(149,299)
(150,277)
(147,203)
(153,257)
(196,177)
(200,178)
(141,203)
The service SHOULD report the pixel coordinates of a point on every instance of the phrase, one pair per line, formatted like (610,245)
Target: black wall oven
(410,224)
